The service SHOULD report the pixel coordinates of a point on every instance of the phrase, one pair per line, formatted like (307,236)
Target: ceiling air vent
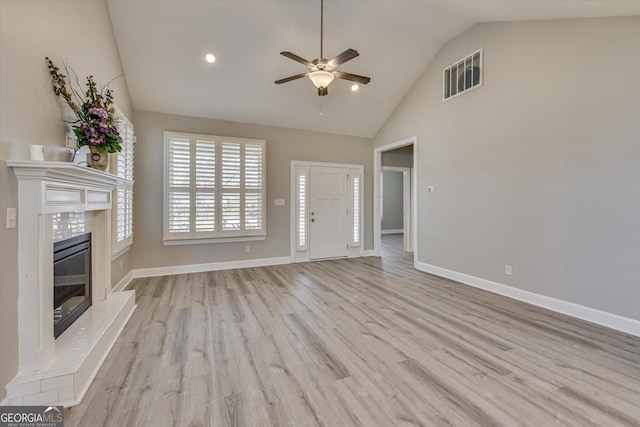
(463,76)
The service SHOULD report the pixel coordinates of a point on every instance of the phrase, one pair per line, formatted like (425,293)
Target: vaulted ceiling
(162,46)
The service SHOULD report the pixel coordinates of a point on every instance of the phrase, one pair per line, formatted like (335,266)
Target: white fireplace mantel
(83,188)
(46,188)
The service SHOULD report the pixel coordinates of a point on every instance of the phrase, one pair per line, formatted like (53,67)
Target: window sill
(176,242)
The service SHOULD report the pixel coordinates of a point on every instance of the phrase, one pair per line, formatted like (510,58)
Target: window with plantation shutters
(122,166)
(214,188)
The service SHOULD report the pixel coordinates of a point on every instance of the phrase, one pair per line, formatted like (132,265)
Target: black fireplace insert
(71,281)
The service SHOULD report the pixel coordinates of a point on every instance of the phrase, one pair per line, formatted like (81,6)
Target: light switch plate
(431,189)
(279,202)
(71,143)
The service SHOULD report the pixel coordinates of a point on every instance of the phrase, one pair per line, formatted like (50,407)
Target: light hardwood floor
(361,342)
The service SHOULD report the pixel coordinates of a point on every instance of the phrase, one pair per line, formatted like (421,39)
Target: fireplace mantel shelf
(64,172)
(63,187)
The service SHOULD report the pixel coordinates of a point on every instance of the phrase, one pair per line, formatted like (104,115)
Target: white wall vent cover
(463,76)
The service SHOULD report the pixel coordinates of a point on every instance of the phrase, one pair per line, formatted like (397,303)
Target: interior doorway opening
(395,203)
(395,225)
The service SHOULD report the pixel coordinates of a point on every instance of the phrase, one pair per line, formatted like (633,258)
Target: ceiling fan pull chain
(321,25)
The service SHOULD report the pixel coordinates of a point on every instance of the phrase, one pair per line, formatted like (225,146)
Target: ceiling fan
(322,71)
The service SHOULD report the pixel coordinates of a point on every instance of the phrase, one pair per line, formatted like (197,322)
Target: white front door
(328,214)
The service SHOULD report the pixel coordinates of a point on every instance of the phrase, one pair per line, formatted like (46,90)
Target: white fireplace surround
(59,371)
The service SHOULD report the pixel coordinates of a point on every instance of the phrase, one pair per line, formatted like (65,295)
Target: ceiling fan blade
(288,79)
(345,56)
(297,59)
(351,77)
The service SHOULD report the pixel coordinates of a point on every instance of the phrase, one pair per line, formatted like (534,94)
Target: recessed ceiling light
(355,87)
(210,58)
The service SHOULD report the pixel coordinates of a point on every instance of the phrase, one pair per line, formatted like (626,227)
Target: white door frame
(406,204)
(377,168)
(353,251)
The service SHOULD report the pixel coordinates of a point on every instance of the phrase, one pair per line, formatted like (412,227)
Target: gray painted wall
(31,114)
(121,266)
(392,194)
(539,167)
(283,146)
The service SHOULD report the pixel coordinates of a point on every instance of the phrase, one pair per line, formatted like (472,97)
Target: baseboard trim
(398,231)
(368,252)
(212,266)
(603,318)
(124,282)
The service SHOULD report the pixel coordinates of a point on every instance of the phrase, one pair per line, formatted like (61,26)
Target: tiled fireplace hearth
(59,371)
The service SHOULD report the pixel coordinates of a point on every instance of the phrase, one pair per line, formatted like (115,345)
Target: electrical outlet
(279,202)
(508,270)
(11,217)
(431,189)
(247,249)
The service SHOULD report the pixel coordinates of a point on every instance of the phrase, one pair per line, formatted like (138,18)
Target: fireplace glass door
(71,281)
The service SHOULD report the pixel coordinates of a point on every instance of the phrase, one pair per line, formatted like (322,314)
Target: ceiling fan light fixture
(323,71)
(321,78)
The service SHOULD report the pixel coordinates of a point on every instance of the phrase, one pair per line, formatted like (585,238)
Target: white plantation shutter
(253,206)
(122,166)
(179,183)
(230,212)
(356,190)
(253,186)
(205,186)
(120,213)
(214,187)
(231,169)
(205,212)
(301,208)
